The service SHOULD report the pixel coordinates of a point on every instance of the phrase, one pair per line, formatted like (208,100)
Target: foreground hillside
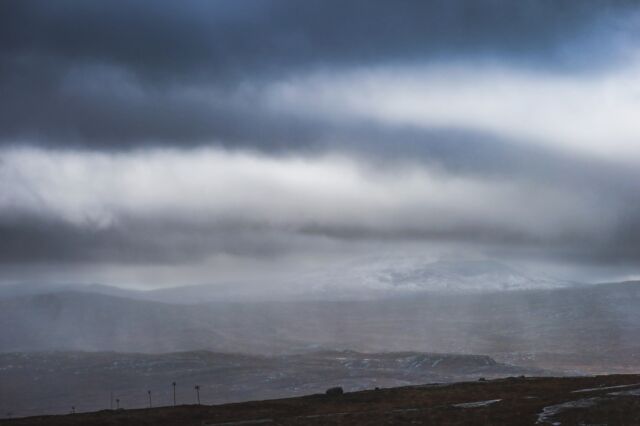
(53,382)
(610,400)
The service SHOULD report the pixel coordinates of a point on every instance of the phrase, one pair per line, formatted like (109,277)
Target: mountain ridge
(539,321)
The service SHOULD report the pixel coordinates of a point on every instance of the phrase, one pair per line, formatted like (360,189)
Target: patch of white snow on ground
(476,404)
(605,388)
(548,412)
(632,392)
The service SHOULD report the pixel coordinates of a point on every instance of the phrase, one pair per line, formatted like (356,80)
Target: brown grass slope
(611,400)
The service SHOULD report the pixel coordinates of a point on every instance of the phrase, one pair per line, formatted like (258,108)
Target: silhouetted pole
(73,409)
(117,403)
(149,393)
(197,388)
(111,400)
(174,393)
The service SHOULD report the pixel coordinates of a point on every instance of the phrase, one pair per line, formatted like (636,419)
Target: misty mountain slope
(398,276)
(36,288)
(85,321)
(593,319)
(373,278)
(93,322)
(603,320)
(365,280)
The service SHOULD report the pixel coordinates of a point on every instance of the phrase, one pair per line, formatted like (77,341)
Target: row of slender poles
(173,385)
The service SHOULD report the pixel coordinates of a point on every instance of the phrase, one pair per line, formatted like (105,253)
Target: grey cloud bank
(210,139)
(125,73)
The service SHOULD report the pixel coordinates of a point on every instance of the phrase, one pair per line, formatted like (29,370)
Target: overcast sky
(147,143)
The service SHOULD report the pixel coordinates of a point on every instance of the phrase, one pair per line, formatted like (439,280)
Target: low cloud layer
(205,140)
(180,205)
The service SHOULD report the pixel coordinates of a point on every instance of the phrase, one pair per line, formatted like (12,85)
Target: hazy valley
(255,350)
(591,319)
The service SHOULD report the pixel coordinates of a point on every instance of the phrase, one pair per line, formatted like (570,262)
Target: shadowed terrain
(613,400)
(53,382)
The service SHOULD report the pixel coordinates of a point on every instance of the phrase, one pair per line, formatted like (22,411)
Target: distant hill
(91,321)
(35,288)
(386,277)
(368,279)
(379,279)
(601,323)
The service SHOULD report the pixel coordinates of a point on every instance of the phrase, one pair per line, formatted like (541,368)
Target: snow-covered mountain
(370,278)
(388,277)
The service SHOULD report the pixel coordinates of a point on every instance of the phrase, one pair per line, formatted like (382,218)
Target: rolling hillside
(602,321)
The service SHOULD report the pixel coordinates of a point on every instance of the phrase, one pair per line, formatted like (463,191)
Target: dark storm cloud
(171,207)
(34,239)
(96,87)
(30,238)
(215,38)
(96,109)
(157,51)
